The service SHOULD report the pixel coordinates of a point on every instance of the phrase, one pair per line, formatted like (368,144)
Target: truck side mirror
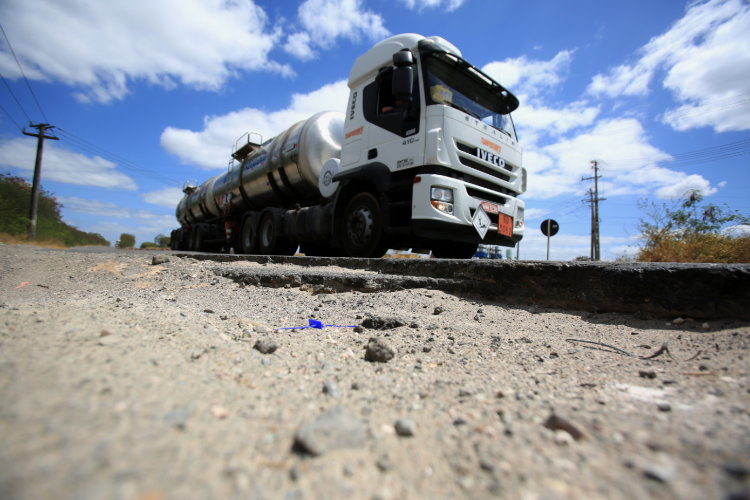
(403,75)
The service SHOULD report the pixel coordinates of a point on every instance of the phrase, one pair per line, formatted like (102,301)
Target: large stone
(378,350)
(336,428)
(159,259)
(266,346)
(379,323)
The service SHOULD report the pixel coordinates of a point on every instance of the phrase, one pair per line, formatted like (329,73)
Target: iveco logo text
(487,156)
(354,101)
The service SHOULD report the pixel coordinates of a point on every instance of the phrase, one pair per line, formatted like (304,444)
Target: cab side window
(384,111)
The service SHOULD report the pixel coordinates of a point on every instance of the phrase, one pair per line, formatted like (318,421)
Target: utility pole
(594,200)
(37,172)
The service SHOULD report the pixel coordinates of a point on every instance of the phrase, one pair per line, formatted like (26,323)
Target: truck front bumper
(430,223)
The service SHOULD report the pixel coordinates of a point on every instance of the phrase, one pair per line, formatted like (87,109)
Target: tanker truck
(425,156)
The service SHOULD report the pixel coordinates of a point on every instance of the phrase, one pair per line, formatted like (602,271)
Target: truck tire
(455,250)
(198,245)
(191,239)
(362,227)
(248,238)
(268,242)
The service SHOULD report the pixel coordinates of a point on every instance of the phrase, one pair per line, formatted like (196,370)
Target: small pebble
(219,412)
(266,346)
(647,374)
(331,389)
(664,407)
(405,427)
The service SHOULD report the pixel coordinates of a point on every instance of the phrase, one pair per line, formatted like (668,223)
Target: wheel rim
(359,226)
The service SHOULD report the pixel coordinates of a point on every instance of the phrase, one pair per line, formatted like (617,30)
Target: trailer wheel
(191,238)
(455,250)
(269,243)
(248,238)
(198,245)
(362,227)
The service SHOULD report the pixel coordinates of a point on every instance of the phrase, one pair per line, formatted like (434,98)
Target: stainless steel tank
(282,172)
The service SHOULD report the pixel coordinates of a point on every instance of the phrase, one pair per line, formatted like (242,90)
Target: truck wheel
(191,239)
(362,227)
(248,238)
(198,245)
(269,243)
(455,250)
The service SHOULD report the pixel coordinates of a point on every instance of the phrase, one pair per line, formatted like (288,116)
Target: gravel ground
(120,379)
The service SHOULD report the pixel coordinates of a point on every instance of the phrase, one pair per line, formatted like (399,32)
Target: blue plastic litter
(314,324)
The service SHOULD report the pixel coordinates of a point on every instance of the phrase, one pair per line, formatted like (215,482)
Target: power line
(14,97)
(24,75)
(97,150)
(706,155)
(11,118)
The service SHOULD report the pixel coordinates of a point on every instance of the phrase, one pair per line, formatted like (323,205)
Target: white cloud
(101,47)
(298,45)
(706,58)
(325,21)
(557,168)
(450,5)
(60,165)
(94,207)
(563,246)
(210,147)
(166,197)
(530,76)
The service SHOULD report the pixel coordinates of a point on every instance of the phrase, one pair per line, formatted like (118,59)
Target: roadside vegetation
(51,231)
(687,231)
(127,240)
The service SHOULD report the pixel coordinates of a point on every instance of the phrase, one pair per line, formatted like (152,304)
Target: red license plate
(505,225)
(490,208)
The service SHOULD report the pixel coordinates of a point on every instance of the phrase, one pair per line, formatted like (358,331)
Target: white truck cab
(418,112)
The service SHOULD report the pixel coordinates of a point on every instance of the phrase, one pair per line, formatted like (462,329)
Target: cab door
(395,138)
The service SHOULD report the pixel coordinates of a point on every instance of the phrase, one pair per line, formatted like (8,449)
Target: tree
(127,240)
(162,241)
(687,232)
(15,198)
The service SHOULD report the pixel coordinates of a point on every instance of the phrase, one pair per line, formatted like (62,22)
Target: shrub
(127,240)
(148,244)
(686,232)
(15,199)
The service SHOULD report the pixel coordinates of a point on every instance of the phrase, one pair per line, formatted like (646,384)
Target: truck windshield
(451,81)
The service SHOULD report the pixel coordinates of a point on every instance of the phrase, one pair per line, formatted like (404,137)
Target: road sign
(549,228)
(481,221)
(550,225)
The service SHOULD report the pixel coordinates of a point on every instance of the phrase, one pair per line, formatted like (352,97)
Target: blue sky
(149,93)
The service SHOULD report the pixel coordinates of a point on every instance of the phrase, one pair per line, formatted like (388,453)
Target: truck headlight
(519,218)
(441,194)
(442,199)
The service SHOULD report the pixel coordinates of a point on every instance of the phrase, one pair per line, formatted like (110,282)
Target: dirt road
(120,379)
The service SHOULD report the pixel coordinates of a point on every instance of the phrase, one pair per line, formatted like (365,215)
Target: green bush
(148,244)
(127,240)
(162,241)
(15,200)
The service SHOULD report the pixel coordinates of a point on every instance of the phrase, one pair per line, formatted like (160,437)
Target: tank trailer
(426,140)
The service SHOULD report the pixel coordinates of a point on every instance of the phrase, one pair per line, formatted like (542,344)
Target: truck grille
(478,166)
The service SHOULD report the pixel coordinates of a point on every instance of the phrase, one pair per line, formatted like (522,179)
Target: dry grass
(9,239)
(706,248)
